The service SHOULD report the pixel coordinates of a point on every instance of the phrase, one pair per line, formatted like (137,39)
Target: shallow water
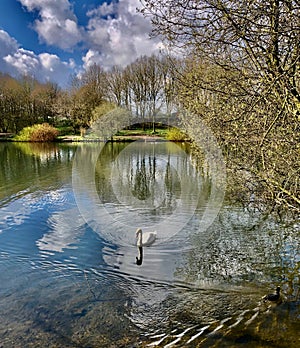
(68,272)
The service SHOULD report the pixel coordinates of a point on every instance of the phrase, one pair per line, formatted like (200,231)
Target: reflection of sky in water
(65,229)
(55,269)
(26,203)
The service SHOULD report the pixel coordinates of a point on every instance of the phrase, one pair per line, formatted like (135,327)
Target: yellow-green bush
(38,132)
(175,134)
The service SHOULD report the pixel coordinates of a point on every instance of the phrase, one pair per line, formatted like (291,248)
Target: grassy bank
(123,135)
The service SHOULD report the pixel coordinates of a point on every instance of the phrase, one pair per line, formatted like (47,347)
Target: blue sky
(51,39)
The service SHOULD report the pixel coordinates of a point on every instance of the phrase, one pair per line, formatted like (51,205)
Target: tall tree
(244,83)
(88,92)
(117,86)
(44,97)
(260,38)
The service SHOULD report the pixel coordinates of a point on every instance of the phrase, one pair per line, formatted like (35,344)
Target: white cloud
(25,62)
(121,37)
(115,34)
(53,69)
(103,10)
(57,24)
(7,43)
(47,6)
(17,61)
(64,34)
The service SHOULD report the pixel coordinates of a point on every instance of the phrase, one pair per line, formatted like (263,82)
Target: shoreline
(117,138)
(80,139)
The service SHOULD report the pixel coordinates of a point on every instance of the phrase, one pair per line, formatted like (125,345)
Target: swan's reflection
(139,259)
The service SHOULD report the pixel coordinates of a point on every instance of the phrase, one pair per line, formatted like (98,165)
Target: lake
(71,274)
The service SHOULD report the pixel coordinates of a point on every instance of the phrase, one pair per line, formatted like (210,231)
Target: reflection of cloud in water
(65,228)
(14,216)
(23,204)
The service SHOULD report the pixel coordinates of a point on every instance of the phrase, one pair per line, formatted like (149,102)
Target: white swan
(144,239)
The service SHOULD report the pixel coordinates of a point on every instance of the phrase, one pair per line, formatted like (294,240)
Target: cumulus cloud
(118,34)
(25,62)
(7,43)
(57,24)
(103,10)
(53,69)
(114,34)
(18,61)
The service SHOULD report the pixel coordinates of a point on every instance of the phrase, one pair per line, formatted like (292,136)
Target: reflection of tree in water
(142,180)
(39,163)
(172,185)
(243,247)
(147,178)
(168,177)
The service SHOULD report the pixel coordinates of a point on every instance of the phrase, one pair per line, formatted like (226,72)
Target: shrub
(174,134)
(44,132)
(38,132)
(24,134)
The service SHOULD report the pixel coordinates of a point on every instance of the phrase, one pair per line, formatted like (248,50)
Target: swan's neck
(139,238)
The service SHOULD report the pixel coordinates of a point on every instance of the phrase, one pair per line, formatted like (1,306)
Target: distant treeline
(145,88)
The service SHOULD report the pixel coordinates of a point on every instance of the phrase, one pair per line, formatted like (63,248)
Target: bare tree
(89,92)
(243,80)
(257,37)
(116,85)
(135,73)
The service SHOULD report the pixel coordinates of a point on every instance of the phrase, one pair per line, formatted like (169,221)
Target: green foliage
(66,130)
(101,110)
(38,132)
(174,134)
(24,134)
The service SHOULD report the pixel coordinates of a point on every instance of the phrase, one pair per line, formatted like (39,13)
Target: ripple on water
(255,325)
(61,281)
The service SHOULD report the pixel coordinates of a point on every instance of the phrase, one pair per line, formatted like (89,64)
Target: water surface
(68,272)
